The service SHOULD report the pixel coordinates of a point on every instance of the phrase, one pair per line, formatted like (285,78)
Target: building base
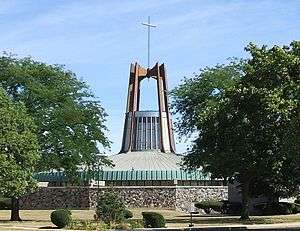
(168,197)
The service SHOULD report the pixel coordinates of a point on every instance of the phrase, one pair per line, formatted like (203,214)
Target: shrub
(297,208)
(297,201)
(278,208)
(121,226)
(136,224)
(5,203)
(203,205)
(87,225)
(127,214)
(110,208)
(61,218)
(207,206)
(153,220)
(232,208)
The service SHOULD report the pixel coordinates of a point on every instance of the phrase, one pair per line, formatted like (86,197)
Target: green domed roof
(146,161)
(125,176)
(135,166)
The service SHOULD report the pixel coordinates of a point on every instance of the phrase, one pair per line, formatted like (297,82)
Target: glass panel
(158,133)
(144,134)
(153,124)
(148,134)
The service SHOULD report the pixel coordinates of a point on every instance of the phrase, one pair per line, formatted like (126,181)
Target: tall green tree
(196,95)
(243,129)
(70,120)
(19,152)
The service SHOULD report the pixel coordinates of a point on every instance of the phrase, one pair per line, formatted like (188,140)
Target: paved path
(292,226)
(279,226)
(276,226)
(25,225)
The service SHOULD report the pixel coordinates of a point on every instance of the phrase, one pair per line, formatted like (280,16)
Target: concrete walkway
(292,226)
(285,226)
(238,227)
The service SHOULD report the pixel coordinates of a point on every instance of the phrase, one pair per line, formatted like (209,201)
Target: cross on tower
(149,25)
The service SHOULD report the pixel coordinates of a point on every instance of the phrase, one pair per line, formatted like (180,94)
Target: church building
(148,155)
(147,172)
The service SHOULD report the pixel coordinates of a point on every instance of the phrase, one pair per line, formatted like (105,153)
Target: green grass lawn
(41,218)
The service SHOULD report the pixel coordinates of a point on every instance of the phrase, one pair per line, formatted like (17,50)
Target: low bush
(61,218)
(278,208)
(87,225)
(153,220)
(5,203)
(121,226)
(110,208)
(127,214)
(296,208)
(224,206)
(209,205)
(235,208)
(297,201)
(232,208)
(136,224)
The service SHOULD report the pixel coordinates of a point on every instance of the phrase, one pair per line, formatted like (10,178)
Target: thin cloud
(99,39)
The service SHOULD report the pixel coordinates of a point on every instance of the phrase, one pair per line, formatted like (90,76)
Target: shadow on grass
(212,220)
(26,220)
(49,227)
(203,221)
(204,216)
(228,221)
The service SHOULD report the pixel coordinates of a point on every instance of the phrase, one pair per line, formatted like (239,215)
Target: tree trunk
(245,200)
(15,209)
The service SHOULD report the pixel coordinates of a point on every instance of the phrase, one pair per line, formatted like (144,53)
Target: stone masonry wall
(56,197)
(171,197)
(159,197)
(186,195)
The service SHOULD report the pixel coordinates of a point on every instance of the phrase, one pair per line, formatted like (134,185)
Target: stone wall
(57,197)
(171,197)
(146,196)
(186,195)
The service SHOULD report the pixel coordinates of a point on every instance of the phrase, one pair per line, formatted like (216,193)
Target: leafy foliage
(110,208)
(19,149)
(87,225)
(248,130)
(5,203)
(278,208)
(127,214)
(61,218)
(121,226)
(209,205)
(153,220)
(196,96)
(136,224)
(224,206)
(70,122)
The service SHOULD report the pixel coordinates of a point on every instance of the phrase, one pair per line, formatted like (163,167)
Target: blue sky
(99,39)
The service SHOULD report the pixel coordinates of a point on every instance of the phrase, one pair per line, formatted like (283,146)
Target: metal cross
(149,25)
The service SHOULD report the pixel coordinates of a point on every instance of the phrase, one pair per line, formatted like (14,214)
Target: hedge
(153,220)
